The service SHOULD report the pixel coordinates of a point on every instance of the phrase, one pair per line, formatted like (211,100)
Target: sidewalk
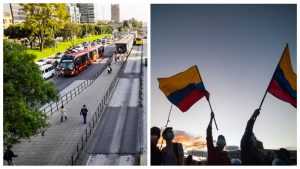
(60,139)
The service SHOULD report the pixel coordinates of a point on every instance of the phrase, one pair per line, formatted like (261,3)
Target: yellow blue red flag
(284,81)
(184,89)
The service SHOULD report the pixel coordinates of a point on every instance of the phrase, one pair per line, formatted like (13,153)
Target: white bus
(47,71)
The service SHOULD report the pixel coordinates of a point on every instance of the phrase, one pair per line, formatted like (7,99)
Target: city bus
(125,44)
(93,53)
(138,41)
(74,62)
(100,49)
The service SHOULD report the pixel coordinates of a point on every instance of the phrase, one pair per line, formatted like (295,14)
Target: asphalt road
(119,133)
(61,82)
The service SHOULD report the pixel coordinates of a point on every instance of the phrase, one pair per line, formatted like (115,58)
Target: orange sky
(188,141)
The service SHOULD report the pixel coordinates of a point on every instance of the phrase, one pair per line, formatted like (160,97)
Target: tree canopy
(24,91)
(44,18)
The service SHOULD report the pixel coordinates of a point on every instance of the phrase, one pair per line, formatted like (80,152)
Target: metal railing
(141,80)
(141,99)
(74,92)
(74,158)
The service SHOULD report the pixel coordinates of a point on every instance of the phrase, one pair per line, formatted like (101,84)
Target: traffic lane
(103,140)
(131,140)
(62,82)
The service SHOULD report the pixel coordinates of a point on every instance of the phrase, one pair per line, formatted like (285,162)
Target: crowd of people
(251,153)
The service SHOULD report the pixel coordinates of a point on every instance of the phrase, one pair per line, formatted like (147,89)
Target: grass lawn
(61,47)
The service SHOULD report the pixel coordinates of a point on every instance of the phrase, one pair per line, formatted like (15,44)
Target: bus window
(84,58)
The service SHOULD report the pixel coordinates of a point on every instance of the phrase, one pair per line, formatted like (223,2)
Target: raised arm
(249,127)
(209,138)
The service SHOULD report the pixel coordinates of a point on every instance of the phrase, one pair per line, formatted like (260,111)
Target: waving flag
(284,81)
(184,89)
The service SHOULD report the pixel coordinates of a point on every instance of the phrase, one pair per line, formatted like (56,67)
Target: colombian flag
(284,81)
(183,89)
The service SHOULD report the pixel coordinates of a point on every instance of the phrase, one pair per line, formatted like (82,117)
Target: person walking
(83,112)
(8,155)
(109,69)
(252,152)
(115,56)
(63,113)
(172,153)
(216,155)
(155,152)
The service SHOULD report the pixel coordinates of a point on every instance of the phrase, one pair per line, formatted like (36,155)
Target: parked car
(41,62)
(103,41)
(109,42)
(47,71)
(54,60)
(79,47)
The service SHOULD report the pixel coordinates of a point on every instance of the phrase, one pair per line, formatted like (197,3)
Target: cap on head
(155,131)
(84,105)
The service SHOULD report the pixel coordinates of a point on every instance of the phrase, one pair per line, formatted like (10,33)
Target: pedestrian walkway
(60,139)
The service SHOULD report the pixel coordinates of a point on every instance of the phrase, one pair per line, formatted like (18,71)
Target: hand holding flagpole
(212,112)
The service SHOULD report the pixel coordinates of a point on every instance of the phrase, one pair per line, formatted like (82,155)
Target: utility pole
(12,14)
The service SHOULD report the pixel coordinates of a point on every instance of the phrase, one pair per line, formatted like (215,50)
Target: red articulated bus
(73,63)
(96,52)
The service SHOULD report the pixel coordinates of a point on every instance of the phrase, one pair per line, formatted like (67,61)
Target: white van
(47,70)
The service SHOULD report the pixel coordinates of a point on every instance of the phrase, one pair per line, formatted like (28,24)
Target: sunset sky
(236,48)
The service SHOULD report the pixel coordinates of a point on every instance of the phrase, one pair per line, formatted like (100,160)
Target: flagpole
(168,117)
(286,47)
(208,102)
(166,125)
(212,111)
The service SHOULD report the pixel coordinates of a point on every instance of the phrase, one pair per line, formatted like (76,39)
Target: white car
(41,62)
(79,47)
(55,59)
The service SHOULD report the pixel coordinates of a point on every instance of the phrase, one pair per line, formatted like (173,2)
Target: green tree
(44,18)
(126,24)
(24,90)
(19,31)
(110,29)
(72,30)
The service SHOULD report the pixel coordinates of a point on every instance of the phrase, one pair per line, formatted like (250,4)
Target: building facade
(115,12)
(73,10)
(7,19)
(87,12)
(18,15)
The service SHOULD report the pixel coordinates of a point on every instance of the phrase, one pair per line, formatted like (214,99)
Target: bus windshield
(67,65)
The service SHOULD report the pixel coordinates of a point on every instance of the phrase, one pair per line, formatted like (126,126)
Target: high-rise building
(115,12)
(17,14)
(73,10)
(87,12)
(7,19)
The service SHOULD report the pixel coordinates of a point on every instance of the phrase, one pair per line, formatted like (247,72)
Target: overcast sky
(127,11)
(236,48)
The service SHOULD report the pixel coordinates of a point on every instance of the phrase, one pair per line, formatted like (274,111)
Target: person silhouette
(216,155)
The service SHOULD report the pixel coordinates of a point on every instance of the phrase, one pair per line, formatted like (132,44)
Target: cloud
(188,141)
